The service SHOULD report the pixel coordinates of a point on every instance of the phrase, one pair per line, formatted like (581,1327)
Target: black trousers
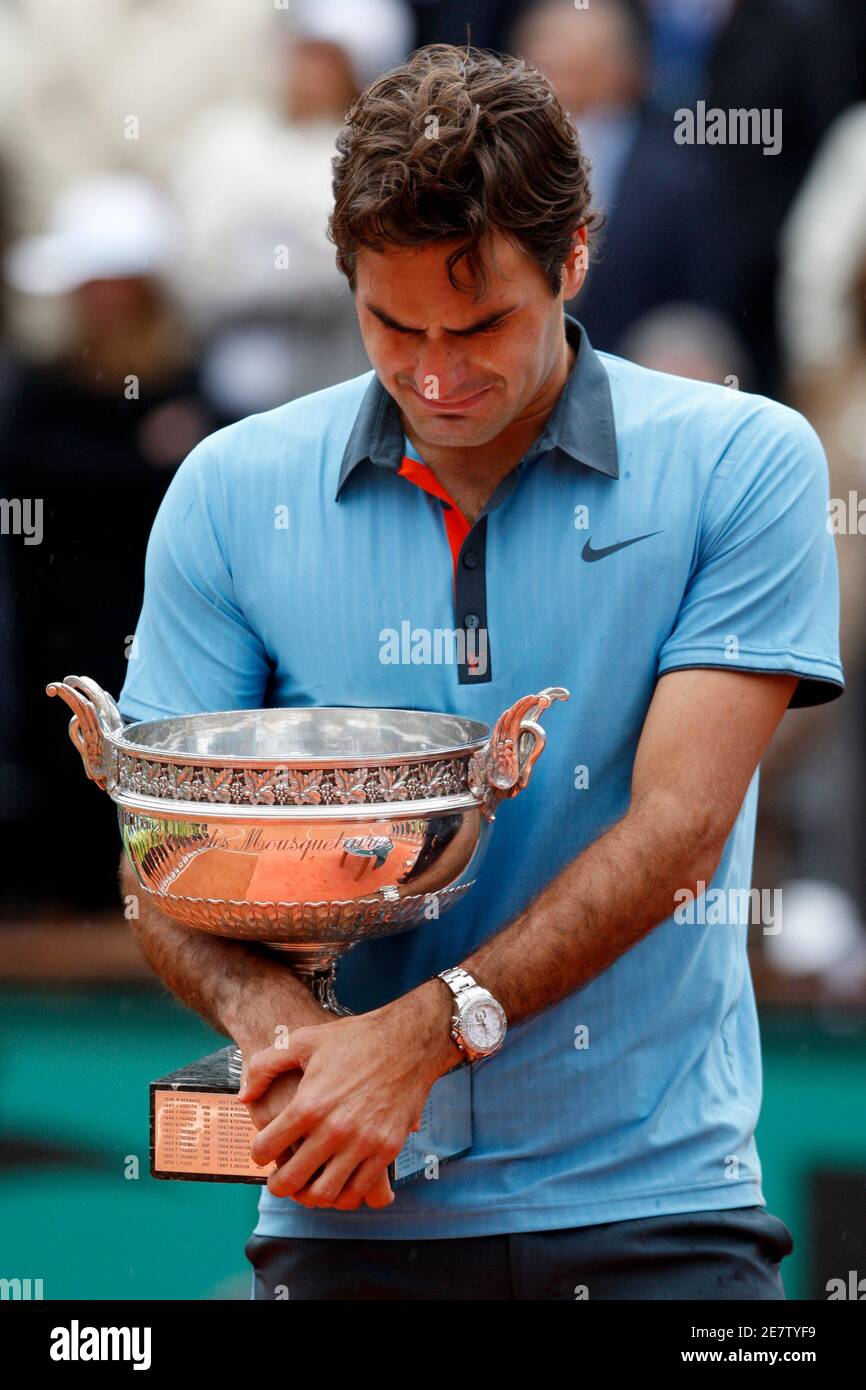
(710,1255)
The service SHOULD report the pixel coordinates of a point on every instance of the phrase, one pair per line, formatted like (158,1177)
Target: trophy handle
(504,765)
(94,715)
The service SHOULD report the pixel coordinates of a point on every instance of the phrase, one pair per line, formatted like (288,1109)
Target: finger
(379,1195)
(372,1184)
(265,1066)
(325,1186)
(369,1183)
(309,1155)
(286,1129)
(284,1157)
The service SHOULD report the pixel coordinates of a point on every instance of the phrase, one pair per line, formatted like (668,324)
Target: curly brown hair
(453,145)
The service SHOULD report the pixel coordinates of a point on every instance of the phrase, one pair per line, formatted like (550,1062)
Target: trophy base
(200,1131)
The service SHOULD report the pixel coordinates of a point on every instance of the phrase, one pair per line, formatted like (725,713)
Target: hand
(275,1100)
(364,1085)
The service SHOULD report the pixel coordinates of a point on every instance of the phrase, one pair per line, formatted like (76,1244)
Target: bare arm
(703,737)
(240,990)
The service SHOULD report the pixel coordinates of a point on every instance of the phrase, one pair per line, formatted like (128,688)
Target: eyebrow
(476,327)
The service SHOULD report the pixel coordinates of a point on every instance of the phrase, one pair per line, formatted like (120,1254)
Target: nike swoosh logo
(589,554)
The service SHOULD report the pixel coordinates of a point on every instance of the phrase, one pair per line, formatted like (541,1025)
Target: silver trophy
(308,830)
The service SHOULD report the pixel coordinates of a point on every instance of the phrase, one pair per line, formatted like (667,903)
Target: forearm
(241,990)
(596,909)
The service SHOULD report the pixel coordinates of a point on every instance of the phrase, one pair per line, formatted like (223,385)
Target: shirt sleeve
(763,593)
(194,649)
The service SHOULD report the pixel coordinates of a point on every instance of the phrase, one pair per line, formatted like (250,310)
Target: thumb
(264,1067)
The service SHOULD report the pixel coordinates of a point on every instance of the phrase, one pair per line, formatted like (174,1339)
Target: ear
(576,264)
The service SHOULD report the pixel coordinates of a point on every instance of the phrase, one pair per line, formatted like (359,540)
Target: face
(462,370)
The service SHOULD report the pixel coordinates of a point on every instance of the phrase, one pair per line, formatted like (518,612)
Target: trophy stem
(317,969)
(320,982)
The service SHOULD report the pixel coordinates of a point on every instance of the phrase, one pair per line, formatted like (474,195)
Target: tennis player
(658,546)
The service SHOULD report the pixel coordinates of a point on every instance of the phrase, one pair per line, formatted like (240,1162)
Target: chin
(453,430)
(451,434)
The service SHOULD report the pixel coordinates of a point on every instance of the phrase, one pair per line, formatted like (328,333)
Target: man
(658,547)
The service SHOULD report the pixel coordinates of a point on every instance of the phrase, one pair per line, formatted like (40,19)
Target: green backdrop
(74,1074)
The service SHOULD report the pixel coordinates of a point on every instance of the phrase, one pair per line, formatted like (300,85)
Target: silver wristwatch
(478,1024)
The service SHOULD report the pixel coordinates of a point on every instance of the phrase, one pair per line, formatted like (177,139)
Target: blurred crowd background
(164,189)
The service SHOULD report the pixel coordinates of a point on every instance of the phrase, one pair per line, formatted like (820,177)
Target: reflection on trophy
(307,830)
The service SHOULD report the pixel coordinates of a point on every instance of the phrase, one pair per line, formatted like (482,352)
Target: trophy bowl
(306,829)
(310,828)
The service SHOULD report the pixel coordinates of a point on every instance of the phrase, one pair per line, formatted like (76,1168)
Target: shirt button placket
(470,605)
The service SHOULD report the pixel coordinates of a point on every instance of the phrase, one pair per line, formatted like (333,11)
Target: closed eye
(454,333)
(476,331)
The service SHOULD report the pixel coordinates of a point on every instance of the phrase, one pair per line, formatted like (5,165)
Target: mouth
(451,407)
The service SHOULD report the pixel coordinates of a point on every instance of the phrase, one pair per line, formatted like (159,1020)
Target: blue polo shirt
(657,524)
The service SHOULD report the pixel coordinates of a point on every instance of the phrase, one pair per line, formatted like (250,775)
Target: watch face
(482,1025)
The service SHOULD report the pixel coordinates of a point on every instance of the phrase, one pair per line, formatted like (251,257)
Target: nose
(442,371)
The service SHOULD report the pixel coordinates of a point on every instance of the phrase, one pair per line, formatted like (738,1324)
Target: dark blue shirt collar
(581,424)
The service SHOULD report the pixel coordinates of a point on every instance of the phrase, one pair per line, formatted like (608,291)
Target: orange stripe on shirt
(457,528)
